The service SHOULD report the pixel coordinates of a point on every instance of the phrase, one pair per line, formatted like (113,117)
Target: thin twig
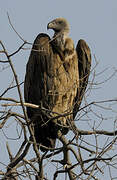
(14,28)
(18,49)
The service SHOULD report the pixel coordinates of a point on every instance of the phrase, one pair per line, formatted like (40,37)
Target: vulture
(56,79)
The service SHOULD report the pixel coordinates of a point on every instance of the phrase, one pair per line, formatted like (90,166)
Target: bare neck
(64,32)
(59,39)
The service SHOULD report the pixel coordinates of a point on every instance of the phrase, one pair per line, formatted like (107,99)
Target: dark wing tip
(40,38)
(42,35)
(40,49)
(83,46)
(83,52)
(84,66)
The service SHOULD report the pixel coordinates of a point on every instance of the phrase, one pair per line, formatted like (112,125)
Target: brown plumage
(84,66)
(52,81)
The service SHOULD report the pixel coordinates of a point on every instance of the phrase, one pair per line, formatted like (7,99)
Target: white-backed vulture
(56,79)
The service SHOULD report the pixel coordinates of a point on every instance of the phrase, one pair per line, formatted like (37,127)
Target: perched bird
(54,81)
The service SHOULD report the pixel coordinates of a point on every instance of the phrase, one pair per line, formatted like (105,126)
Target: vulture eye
(60,22)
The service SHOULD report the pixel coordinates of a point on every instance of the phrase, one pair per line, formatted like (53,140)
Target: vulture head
(59,25)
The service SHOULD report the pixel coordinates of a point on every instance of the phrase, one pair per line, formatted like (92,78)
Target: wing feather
(35,86)
(84,66)
(51,81)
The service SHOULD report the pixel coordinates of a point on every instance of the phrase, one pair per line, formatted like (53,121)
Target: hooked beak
(50,25)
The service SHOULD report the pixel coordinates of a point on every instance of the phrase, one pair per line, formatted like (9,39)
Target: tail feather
(45,133)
